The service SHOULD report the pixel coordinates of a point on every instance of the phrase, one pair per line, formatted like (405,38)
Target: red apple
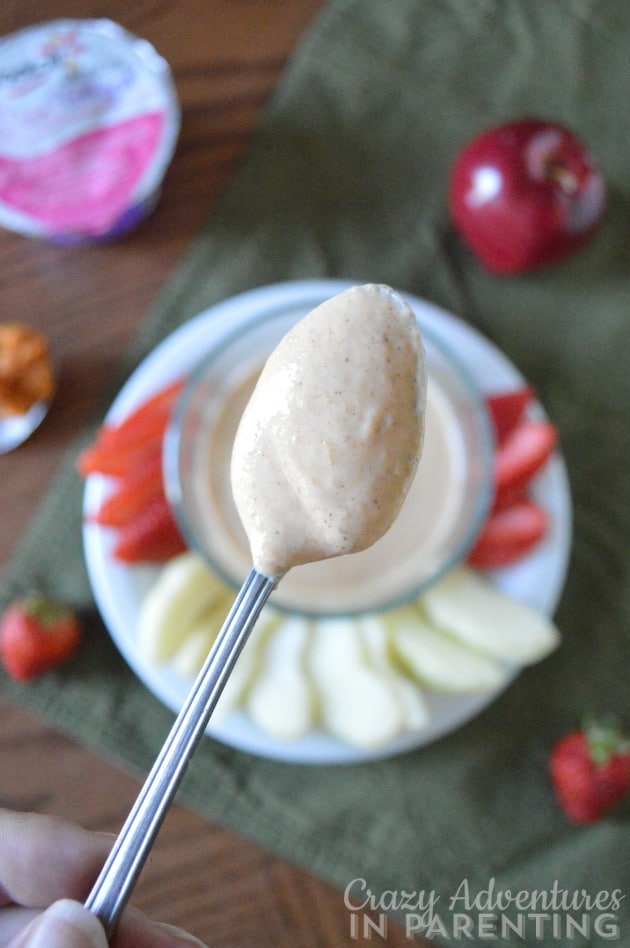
(525,194)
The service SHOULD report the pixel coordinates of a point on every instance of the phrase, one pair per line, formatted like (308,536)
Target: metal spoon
(120,872)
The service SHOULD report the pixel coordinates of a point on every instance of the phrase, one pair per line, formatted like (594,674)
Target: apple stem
(566,179)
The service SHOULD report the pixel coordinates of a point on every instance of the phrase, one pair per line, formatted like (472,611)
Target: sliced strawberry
(101,458)
(509,534)
(507,409)
(509,497)
(118,449)
(146,422)
(151,536)
(36,635)
(132,493)
(152,433)
(520,457)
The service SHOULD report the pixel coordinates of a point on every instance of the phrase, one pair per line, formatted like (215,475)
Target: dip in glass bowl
(436,527)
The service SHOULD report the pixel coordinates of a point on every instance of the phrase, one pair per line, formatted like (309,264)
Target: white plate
(118,589)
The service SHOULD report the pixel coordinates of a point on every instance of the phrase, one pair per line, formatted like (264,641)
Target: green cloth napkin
(347,177)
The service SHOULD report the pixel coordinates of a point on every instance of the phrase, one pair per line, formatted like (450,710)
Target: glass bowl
(437,524)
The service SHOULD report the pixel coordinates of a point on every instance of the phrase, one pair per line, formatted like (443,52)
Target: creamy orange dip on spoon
(331,437)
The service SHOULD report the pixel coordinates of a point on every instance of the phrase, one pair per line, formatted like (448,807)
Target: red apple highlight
(525,194)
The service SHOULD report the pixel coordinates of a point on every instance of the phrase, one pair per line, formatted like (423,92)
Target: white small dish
(118,589)
(15,429)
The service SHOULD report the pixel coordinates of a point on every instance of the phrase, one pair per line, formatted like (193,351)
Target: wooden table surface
(226,56)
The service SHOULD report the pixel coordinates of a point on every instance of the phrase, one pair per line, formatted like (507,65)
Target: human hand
(47,867)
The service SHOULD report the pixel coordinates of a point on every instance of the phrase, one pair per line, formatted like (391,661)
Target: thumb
(66,924)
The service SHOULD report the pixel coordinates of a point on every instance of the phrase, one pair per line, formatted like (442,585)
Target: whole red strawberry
(35,635)
(590,770)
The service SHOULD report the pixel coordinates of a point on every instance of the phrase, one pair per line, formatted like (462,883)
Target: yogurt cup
(89,120)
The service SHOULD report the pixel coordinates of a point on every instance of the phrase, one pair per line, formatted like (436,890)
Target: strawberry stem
(605,739)
(45,610)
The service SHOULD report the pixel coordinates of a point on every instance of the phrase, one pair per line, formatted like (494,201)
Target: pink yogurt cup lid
(89,120)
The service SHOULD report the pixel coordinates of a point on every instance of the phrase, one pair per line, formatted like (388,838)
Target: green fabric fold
(347,176)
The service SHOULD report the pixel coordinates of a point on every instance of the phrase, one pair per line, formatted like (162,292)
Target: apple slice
(438,662)
(248,665)
(375,638)
(193,651)
(184,592)
(358,704)
(280,699)
(468,607)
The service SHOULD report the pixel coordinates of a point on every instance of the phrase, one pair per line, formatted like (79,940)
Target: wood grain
(226,57)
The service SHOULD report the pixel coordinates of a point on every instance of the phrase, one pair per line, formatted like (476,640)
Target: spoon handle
(120,872)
